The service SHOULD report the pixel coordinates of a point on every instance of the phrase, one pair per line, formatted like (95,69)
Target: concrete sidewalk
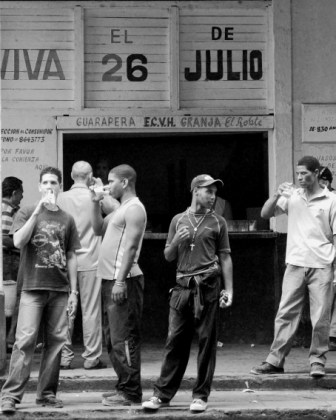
(234,362)
(236,394)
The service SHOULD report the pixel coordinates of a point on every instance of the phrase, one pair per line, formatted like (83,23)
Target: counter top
(258,234)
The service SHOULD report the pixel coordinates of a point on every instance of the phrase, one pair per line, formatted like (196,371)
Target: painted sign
(37,57)
(202,55)
(319,123)
(223,57)
(27,146)
(126,57)
(203,122)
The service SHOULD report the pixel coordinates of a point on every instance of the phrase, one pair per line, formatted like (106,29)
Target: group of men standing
(69,246)
(87,241)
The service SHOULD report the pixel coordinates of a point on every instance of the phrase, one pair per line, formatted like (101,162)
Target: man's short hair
(9,185)
(51,170)
(81,169)
(125,171)
(310,162)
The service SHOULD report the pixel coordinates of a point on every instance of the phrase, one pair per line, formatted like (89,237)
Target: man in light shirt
(77,201)
(310,259)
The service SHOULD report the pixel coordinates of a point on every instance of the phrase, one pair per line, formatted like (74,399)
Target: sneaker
(317,370)
(154,403)
(332,343)
(119,398)
(98,365)
(266,369)
(109,394)
(66,367)
(8,405)
(50,401)
(198,405)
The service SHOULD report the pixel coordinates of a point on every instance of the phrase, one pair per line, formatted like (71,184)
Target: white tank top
(113,244)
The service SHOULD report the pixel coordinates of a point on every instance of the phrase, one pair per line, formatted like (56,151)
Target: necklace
(195,227)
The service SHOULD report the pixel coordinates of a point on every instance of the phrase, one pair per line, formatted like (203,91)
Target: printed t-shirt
(211,238)
(43,258)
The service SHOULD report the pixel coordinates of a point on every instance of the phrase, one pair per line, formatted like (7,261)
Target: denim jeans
(182,326)
(319,284)
(89,287)
(34,304)
(122,328)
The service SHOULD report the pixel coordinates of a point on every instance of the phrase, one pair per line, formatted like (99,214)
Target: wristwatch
(75,292)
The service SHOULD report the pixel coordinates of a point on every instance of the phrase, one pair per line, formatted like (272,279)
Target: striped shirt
(7,216)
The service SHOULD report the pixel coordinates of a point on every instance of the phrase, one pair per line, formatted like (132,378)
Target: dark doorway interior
(165,165)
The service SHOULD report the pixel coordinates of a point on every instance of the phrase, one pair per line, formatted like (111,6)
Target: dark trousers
(182,326)
(121,327)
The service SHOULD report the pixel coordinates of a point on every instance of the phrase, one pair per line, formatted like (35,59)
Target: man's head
(102,169)
(204,189)
(81,172)
(325,177)
(50,179)
(307,172)
(12,190)
(121,178)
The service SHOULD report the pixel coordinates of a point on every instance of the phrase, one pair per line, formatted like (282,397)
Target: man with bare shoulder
(122,282)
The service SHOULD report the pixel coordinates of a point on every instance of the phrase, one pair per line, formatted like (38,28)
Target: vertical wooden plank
(270,61)
(79,58)
(174,55)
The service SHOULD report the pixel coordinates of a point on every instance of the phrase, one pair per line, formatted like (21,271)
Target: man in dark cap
(326,178)
(198,239)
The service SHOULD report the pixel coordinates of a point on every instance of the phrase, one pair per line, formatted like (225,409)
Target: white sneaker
(198,405)
(154,403)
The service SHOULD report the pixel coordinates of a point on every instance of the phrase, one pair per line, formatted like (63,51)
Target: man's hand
(119,293)
(181,235)
(225,299)
(72,304)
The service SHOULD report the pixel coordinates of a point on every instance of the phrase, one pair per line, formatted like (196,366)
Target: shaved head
(81,170)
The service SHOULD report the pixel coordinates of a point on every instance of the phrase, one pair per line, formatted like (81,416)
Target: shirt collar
(323,193)
(83,186)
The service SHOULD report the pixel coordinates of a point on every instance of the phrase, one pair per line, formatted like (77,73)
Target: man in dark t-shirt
(198,239)
(48,239)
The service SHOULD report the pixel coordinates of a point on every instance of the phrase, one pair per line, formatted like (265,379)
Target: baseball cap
(325,174)
(205,180)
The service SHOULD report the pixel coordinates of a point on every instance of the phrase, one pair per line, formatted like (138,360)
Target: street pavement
(236,393)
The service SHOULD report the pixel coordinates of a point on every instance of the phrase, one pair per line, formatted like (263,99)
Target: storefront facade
(175,88)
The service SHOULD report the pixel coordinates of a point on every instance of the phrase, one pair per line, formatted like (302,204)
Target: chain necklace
(195,227)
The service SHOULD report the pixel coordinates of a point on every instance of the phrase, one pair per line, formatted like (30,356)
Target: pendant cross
(192,246)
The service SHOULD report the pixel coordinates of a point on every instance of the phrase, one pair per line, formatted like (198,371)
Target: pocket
(179,299)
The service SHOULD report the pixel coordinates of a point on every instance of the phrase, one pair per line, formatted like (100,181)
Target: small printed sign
(319,123)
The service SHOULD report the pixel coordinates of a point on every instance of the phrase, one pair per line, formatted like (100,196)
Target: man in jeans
(198,239)
(310,259)
(48,239)
(123,282)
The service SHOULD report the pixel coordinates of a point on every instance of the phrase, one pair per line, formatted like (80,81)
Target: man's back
(77,202)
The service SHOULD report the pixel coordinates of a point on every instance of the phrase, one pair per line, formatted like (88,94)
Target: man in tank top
(122,282)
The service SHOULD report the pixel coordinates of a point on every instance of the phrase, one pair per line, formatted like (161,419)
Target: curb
(220,383)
